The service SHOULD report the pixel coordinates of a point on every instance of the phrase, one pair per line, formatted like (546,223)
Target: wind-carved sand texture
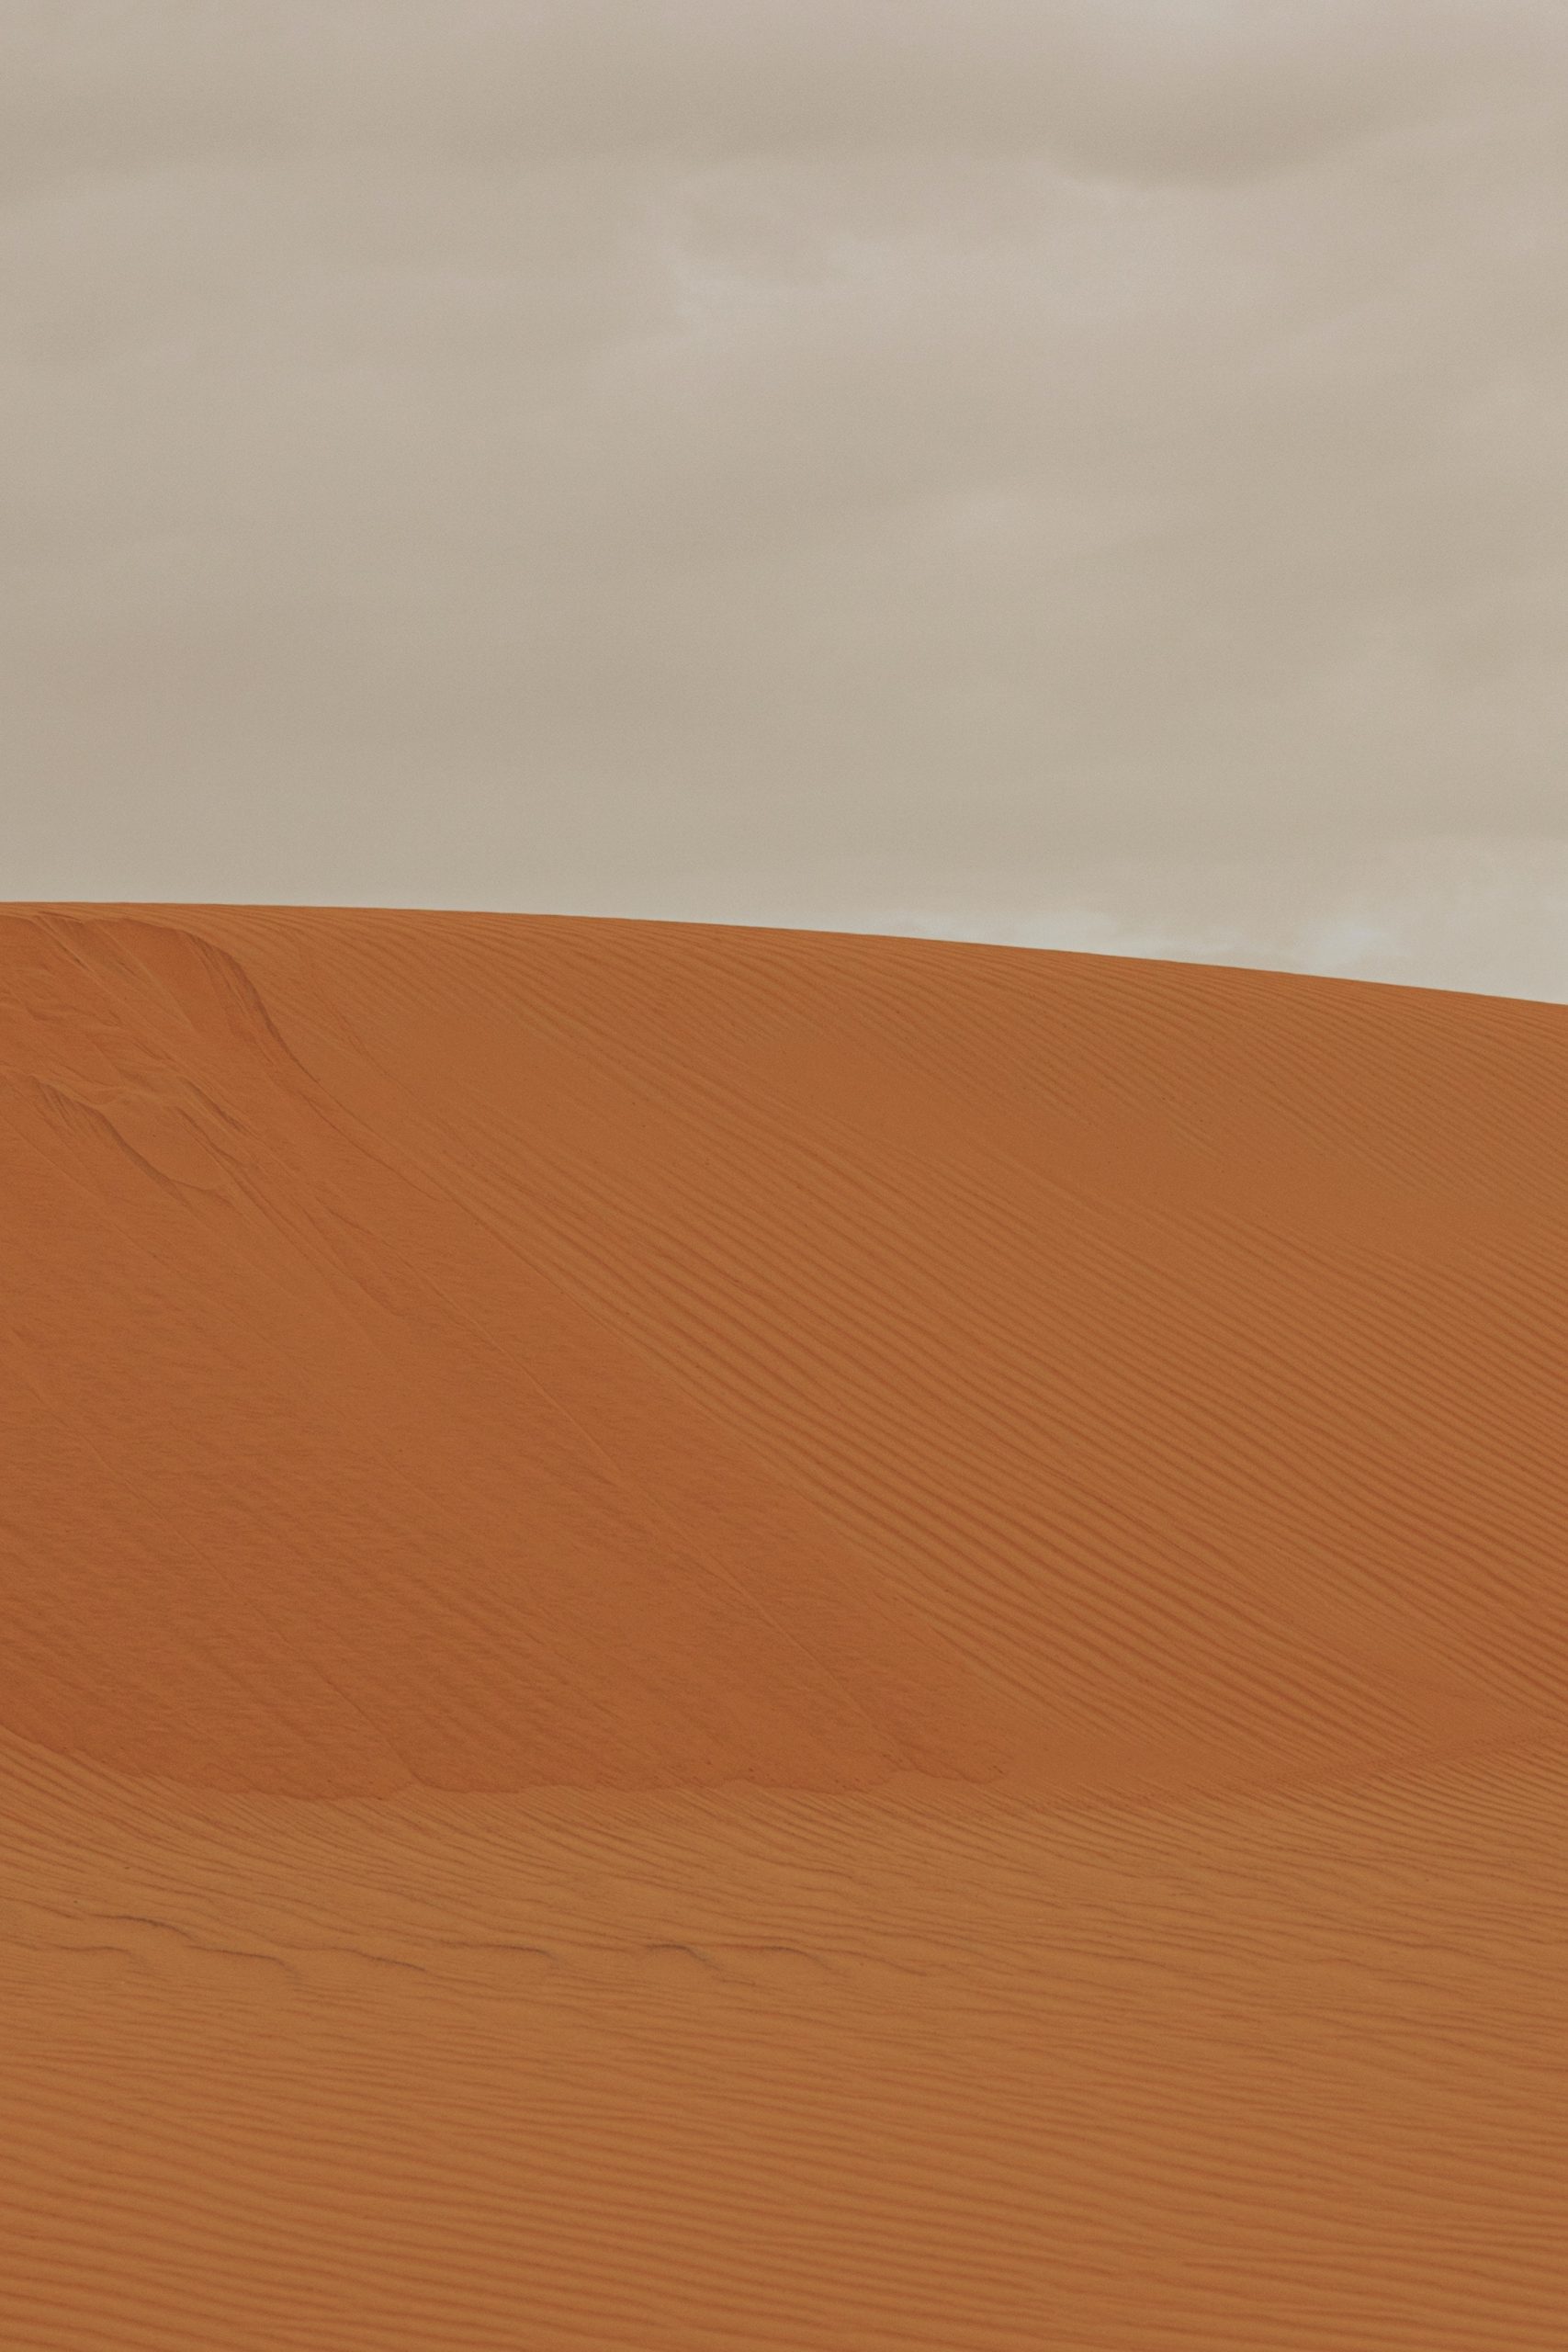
(723,1641)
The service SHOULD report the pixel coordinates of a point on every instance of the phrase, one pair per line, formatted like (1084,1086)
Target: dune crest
(492,1354)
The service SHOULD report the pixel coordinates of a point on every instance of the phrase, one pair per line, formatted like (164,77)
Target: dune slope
(725,1638)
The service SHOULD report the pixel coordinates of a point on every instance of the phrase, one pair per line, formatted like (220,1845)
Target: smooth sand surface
(722,1640)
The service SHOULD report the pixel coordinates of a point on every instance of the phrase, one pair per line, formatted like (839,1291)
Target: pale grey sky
(1091,472)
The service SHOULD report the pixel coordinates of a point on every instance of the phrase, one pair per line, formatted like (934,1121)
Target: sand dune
(738,1639)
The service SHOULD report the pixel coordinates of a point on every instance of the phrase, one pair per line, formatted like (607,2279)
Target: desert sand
(734,1641)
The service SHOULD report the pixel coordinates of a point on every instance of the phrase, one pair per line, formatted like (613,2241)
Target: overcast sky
(1090,471)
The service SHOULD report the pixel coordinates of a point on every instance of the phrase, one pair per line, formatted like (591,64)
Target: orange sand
(728,1641)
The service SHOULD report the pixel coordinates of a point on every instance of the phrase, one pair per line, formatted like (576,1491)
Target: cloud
(1147,89)
(708,459)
